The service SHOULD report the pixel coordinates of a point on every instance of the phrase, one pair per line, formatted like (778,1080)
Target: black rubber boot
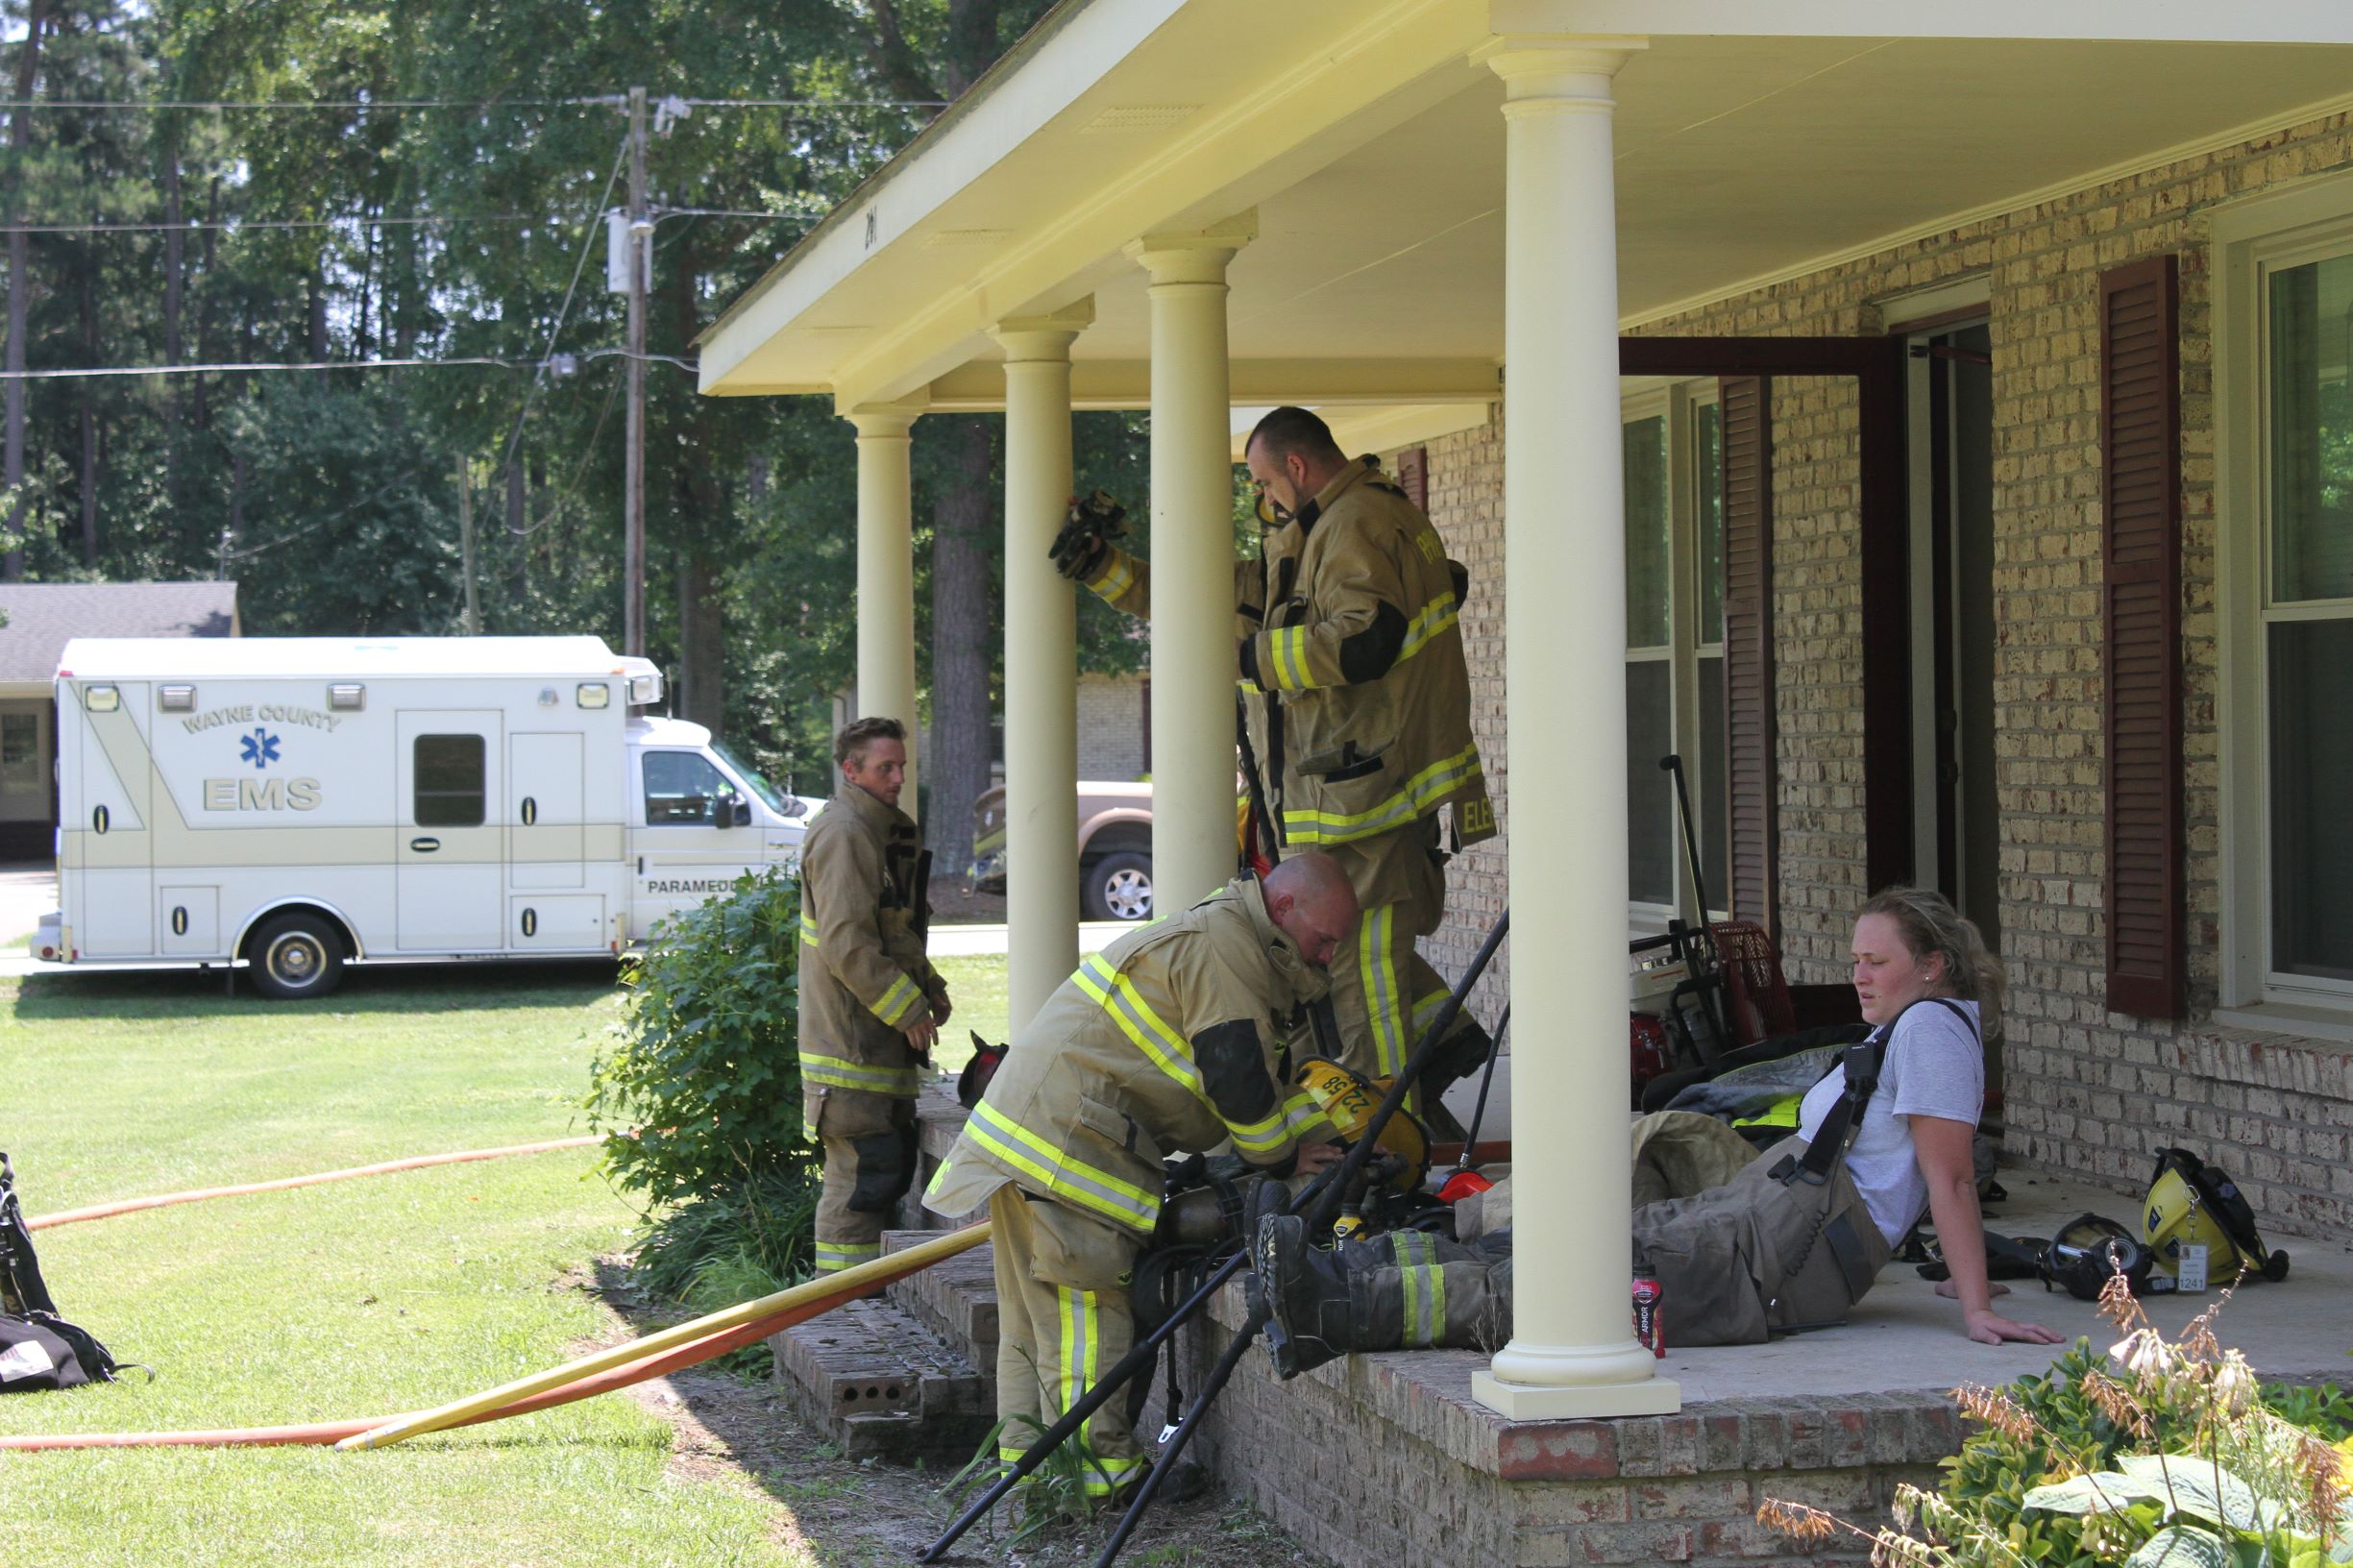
(1187,1481)
(1305,1289)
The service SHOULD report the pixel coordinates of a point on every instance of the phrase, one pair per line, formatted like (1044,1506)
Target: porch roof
(1370,147)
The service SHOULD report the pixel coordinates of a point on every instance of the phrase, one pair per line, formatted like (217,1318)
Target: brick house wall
(1111,727)
(2089,1093)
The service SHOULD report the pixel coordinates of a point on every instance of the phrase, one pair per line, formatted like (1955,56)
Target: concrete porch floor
(1386,1459)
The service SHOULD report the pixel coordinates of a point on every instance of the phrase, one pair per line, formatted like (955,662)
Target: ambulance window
(683,786)
(448,781)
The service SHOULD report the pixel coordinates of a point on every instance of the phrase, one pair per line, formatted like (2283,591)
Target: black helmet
(2089,1251)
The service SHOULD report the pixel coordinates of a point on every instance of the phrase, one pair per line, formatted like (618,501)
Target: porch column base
(1575,1401)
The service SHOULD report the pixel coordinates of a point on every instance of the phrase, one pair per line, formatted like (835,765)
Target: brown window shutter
(2141,556)
(1745,409)
(1413,476)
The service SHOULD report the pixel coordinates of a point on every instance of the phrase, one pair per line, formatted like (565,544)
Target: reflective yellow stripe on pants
(1377,971)
(833,1257)
(1079,1322)
(1424,1279)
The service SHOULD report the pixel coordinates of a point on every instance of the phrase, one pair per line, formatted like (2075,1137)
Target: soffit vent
(966,238)
(1133,117)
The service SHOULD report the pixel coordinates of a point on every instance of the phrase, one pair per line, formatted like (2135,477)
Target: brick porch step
(955,1300)
(881,1385)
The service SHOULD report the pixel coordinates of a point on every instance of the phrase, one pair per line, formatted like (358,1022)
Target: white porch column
(1572,1353)
(1193,660)
(1041,663)
(886,573)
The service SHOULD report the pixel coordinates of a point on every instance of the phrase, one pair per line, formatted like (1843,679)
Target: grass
(976,986)
(368,1297)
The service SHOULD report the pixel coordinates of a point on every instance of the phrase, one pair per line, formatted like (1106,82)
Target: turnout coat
(1165,1043)
(1348,640)
(862,970)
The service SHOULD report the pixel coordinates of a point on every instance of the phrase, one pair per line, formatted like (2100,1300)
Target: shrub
(704,1068)
(2158,1455)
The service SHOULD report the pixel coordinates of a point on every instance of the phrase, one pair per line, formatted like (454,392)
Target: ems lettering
(261,794)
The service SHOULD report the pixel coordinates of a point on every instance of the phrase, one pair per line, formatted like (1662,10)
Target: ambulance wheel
(1119,888)
(296,956)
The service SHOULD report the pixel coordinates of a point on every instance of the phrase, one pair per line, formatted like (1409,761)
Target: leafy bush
(704,1069)
(2157,1454)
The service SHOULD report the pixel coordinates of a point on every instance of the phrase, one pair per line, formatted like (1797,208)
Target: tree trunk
(20,295)
(957,765)
(315,298)
(703,643)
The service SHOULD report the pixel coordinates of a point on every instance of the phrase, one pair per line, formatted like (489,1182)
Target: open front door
(450,847)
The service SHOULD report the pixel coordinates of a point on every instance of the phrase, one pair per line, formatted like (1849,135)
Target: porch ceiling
(1376,274)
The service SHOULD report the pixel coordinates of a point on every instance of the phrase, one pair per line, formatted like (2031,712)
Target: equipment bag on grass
(21,1287)
(42,1351)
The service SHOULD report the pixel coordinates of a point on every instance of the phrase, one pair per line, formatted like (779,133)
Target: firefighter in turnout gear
(870,1002)
(1167,1041)
(1351,661)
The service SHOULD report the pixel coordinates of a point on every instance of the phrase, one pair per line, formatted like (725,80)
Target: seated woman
(1791,1242)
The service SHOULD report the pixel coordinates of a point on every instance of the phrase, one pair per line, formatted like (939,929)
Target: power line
(588,243)
(230,225)
(234,367)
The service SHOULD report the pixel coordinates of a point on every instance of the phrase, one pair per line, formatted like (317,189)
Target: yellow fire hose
(866,1276)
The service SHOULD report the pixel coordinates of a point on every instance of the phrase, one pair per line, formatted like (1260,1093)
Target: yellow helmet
(2191,1202)
(1349,1100)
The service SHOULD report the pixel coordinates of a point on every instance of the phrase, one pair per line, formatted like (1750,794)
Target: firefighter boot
(1305,1291)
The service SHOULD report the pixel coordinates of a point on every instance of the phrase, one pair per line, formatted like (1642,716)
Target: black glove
(1078,549)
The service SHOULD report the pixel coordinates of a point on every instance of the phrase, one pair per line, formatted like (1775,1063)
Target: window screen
(449,780)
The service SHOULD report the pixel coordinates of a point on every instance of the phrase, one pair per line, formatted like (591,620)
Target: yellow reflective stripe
(1116,579)
(1379,980)
(897,1001)
(1116,995)
(1438,1301)
(833,1257)
(1062,1174)
(1421,793)
(1435,617)
(1081,1329)
(1426,1010)
(1105,1476)
(808,929)
(1295,647)
(1423,1280)
(1300,1113)
(840,1072)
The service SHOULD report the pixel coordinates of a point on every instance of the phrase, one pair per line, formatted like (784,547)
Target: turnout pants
(1381,987)
(1064,1319)
(870,1145)
(1735,1264)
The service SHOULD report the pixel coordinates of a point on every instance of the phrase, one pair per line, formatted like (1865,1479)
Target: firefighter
(870,1002)
(1165,1043)
(1349,651)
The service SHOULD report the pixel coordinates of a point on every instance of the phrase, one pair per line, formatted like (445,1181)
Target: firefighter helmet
(2192,1203)
(1349,1100)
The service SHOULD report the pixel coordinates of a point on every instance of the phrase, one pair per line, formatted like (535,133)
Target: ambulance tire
(296,956)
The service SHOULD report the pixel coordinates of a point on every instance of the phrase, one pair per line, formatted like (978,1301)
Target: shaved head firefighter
(870,1002)
(1167,1041)
(1351,662)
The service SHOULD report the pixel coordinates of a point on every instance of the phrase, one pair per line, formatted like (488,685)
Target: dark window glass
(1650,790)
(684,788)
(20,753)
(449,780)
(2311,778)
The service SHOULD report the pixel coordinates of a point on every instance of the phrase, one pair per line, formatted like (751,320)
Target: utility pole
(633,482)
(465,538)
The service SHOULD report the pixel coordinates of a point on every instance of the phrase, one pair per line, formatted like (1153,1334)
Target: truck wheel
(1119,888)
(296,956)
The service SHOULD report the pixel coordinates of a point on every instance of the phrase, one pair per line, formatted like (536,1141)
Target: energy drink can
(1649,1325)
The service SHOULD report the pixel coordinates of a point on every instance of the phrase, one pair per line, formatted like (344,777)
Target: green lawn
(361,1298)
(976,987)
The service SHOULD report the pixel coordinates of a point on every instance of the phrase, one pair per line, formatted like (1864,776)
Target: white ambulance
(300,802)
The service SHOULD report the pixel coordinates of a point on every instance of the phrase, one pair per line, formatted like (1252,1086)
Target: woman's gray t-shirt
(1934,1066)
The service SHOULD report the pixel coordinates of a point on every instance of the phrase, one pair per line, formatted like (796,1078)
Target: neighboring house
(40,617)
(1115,737)
(1930,420)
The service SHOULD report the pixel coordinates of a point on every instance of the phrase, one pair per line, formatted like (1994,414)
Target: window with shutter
(1745,405)
(2140,557)
(1413,475)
